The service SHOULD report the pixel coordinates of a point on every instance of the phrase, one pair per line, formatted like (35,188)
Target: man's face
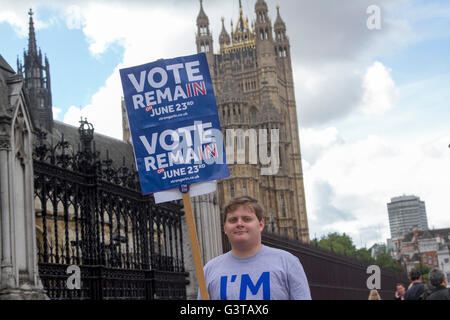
(243,228)
(401,290)
(444,281)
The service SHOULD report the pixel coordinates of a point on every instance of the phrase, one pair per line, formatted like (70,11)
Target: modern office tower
(405,214)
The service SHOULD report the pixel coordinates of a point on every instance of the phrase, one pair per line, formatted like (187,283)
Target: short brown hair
(247,202)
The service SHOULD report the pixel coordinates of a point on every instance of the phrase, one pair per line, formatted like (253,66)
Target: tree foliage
(363,254)
(343,244)
(424,271)
(385,260)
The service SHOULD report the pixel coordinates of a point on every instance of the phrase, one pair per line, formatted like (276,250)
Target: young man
(252,271)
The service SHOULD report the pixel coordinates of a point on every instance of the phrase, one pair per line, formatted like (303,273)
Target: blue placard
(174,124)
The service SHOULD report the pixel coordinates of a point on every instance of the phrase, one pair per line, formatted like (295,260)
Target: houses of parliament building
(254,87)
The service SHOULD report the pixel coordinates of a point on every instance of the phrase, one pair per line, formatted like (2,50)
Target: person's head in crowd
(437,278)
(415,275)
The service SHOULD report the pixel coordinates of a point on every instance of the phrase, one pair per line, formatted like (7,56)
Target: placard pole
(195,246)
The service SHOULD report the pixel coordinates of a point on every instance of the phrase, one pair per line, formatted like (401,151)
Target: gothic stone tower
(253,82)
(37,82)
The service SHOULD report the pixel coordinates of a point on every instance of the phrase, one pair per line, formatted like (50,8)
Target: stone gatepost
(207,221)
(19,277)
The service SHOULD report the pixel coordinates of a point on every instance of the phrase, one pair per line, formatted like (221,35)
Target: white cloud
(355,181)
(327,92)
(15,14)
(314,142)
(145,31)
(14,20)
(332,51)
(74,17)
(56,112)
(138,31)
(104,111)
(380,92)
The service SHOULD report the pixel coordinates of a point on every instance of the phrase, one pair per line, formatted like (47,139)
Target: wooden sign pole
(195,247)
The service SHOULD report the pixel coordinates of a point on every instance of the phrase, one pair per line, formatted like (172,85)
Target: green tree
(424,271)
(363,254)
(341,244)
(385,260)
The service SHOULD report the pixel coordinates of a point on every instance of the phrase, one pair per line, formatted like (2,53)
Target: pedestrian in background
(374,295)
(439,282)
(400,291)
(416,288)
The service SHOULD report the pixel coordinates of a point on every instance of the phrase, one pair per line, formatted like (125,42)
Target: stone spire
(261,11)
(279,23)
(37,82)
(263,25)
(224,38)
(242,32)
(202,18)
(241,22)
(32,48)
(204,38)
(282,45)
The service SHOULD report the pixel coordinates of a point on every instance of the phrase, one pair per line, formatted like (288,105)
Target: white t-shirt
(270,274)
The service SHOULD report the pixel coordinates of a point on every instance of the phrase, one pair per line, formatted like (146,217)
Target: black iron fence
(92,215)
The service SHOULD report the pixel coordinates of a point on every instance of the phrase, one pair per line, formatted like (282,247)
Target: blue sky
(373,105)
(71,63)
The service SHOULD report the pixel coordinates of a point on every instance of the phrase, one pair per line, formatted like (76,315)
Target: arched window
(203,30)
(261,17)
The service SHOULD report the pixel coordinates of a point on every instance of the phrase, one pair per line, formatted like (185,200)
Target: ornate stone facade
(18,265)
(253,82)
